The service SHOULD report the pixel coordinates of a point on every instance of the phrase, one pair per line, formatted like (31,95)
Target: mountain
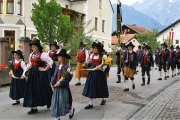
(164,11)
(132,16)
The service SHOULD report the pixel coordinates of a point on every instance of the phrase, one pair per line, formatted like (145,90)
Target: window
(103,24)
(19,7)
(177,41)
(10,6)
(33,36)
(32,7)
(96,23)
(100,4)
(67,6)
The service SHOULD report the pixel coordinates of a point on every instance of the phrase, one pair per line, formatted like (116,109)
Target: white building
(99,11)
(172,32)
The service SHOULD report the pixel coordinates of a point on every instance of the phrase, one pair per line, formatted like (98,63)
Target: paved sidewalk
(161,103)
(119,106)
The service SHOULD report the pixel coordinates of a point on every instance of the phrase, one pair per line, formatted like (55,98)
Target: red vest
(145,58)
(162,54)
(81,55)
(36,61)
(170,55)
(52,53)
(96,62)
(17,65)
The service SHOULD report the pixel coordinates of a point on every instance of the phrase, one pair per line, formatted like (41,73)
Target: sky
(127,2)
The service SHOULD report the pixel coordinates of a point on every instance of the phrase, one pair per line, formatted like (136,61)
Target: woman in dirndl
(96,82)
(18,84)
(62,98)
(38,91)
(54,49)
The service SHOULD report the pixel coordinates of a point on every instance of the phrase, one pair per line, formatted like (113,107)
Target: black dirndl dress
(38,91)
(96,83)
(17,86)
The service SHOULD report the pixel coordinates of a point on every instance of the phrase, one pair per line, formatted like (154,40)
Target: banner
(4,7)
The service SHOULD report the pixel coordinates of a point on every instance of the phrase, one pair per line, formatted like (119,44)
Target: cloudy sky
(127,2)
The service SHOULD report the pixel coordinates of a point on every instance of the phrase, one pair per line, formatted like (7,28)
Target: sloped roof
(171,25)
(138,29)
(124,39)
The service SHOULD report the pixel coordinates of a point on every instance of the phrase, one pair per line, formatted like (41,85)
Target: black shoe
(143,84)
(48,106)
(178,74)
(78,84)
(172,75)
(127,89)
(167,76)
(103,102)
(159,79)
(155,68)
(16,103)
(118,81)
(89,107)
(32,111)
(133,86)
(70,116)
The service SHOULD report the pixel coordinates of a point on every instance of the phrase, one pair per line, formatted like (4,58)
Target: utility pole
(118,21)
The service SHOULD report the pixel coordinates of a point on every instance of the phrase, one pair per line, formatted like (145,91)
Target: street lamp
(20,22)
(118,20)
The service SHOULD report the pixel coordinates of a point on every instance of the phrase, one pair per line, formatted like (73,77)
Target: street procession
(65,64)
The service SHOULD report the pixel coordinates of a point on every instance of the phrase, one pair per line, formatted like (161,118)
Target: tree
(150,38)
(50,23)
(80,36)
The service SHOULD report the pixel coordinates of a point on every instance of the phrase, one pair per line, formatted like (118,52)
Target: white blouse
(44,57)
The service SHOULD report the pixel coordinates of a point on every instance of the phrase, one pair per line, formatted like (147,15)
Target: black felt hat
(97,44)
(177,47)
(123,45)
(37,43)
(164,44)
(19,52)
(63,53)
(81,44)
(130,44)
(171,47)
(55,44)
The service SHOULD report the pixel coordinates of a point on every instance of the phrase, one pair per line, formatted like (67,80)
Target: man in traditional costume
(163,57)
(119,61)
(177,61)
(171,61)
(139,54)
(81,58)
(130,64)
(146,63)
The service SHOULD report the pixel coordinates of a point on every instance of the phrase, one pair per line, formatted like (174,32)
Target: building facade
(171,33)
(99,11)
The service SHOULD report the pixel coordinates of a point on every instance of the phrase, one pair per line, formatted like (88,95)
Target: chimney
(134,24)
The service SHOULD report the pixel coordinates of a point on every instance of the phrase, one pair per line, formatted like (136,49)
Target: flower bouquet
(10,68)
(107,61)
(67,72)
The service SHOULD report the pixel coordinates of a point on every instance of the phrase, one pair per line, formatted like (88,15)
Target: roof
(124,39)
(138,29)
(171,25)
